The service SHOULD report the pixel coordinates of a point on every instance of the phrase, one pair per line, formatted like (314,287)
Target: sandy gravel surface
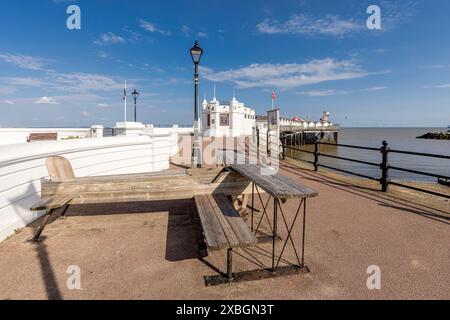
(152,250)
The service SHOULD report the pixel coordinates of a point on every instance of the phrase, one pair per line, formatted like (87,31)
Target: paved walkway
(151,251)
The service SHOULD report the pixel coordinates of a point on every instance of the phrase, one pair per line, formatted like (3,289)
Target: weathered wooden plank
(187,191)
(212,230)
(133,176)
(276,185)
(117,190)
(59,169)
(234,220)
(219,215)
(53,202)
(223,226)
(42,136)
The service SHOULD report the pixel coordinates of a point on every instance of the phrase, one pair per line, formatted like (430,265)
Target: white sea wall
(20,135)
(175,132)
(22,167)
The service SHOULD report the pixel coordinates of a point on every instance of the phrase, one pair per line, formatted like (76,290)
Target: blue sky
(316,55)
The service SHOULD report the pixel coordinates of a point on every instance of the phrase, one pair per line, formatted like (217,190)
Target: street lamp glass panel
(196,53)
(135,94)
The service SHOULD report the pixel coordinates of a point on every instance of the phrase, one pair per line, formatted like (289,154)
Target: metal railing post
(257,145)
(316,155)
(283,154)
(384,167)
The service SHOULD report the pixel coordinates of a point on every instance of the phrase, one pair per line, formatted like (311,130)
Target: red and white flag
(274,96)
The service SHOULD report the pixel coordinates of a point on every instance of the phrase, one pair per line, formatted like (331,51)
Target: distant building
(299,122)
(229,118)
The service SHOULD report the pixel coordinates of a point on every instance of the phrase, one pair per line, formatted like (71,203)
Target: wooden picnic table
(223,226)
(280,188)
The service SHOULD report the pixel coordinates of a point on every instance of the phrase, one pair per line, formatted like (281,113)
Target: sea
(404,139)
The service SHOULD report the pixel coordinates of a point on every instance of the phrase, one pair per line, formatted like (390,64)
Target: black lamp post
(196,54)
(135,95)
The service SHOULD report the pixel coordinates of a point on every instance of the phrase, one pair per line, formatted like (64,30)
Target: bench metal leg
(253,203)
(230,264)
(267,271)
(36,236)
(303,235)
(63,214)
(274,236)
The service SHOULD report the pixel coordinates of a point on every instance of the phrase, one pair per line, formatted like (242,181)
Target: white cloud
(85,114)
(84,82)
(22,61)
(46,100)
(201,34)
(303,24)
(186,30)
(132,35)
(102,54)
(285,76)
(377,88)
(25,82)
(151,27)
(322,93)
(439,86)
(64,83)
(109,38)
(8,102)
(436,66)
(102,105)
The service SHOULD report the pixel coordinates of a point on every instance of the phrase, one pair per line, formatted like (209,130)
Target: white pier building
(230,118)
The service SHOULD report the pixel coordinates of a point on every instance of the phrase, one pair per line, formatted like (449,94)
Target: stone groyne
(436,136)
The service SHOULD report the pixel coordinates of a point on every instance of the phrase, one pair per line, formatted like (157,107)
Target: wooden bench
(44,136)
(223,227)
(50,204)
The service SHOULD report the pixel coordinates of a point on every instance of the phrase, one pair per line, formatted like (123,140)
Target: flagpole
(125,101)
(273,92)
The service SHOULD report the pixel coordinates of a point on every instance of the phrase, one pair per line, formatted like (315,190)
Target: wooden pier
(299,135)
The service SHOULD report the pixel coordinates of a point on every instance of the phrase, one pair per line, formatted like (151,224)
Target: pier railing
(383,165)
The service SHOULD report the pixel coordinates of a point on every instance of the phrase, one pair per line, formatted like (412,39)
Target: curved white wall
(22,167)
(20,135)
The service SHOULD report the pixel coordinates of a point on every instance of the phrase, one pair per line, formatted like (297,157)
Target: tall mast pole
(125,101)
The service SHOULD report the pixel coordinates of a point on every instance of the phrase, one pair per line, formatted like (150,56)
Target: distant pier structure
(297,131)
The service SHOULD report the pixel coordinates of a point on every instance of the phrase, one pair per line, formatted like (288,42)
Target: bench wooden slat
(53,202)
(276,185)
(222,225)
(213,232)
(220,212)
(43,136)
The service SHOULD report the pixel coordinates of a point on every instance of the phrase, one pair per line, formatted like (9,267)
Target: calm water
(399,139)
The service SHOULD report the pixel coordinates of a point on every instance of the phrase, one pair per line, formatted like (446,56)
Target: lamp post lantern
(196,54)
(135,95)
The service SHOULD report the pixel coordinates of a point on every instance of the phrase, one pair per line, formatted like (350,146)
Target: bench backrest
(59,169)
(43,136)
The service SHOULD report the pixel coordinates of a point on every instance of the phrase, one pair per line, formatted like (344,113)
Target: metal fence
(384,165)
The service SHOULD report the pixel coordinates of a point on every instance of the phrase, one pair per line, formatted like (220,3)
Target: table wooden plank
(53,202)
(131,176)
(276,185)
